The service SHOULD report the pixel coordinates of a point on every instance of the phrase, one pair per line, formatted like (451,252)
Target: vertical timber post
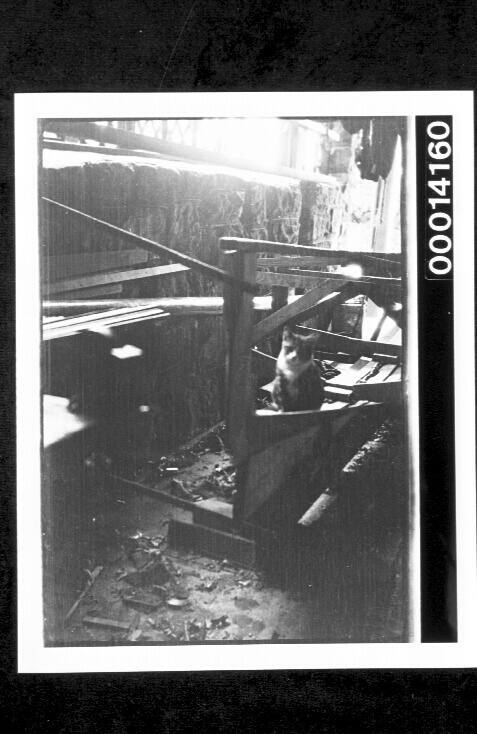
(238,313)
(279,299)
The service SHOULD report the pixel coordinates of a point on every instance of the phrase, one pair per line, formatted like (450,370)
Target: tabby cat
(298,384)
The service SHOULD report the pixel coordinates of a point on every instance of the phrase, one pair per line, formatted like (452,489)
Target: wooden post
(239,316)
(279,299)
(238,312)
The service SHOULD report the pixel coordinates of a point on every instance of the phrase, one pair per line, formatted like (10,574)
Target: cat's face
(296,349)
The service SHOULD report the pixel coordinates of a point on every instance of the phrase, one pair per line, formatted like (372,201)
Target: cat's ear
(287,332)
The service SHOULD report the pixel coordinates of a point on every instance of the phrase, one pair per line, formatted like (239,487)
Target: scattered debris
(196,631)
(220,622)
(140,557)
(275,635)
(180,592)
(176,603)
(208,586)
(155,572)
(245,584)
(141,599)
(245,603)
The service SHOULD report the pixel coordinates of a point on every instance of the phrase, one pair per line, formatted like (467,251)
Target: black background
(436,419)
(263,45)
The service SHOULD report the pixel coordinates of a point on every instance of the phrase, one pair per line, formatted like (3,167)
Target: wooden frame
(265,443)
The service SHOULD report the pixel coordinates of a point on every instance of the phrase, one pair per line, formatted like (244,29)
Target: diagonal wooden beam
(325,294)
(117,276)
(156,248)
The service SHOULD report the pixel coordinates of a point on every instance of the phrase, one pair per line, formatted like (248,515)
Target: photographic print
(233,380)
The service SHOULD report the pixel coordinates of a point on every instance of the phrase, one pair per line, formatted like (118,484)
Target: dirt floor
(181,596)
(341,583)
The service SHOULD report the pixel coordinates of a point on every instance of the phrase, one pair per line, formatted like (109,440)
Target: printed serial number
(439,201)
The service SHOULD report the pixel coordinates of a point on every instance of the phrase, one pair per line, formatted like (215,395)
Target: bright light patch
(352,271)
(126,352)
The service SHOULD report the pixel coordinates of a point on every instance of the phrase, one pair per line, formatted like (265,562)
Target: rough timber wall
(187,207)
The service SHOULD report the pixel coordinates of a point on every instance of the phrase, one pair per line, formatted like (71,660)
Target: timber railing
(244,261)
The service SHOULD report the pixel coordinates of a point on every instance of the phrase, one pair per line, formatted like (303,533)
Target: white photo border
(33,656)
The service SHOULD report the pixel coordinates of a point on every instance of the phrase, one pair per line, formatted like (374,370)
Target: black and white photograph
(230,378)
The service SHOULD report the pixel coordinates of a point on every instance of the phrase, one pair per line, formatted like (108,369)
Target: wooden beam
(56,267)
(110,319)
(287,279)
(156,248)
(372,263)
(238,550)
(177,306)
(280,248)
(88,281)
(99,149)
(311,302)
(375,280)
(355,347)
(85,130)
(291,261)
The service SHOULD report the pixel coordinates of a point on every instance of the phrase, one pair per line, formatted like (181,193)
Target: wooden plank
(268,468)
(373,265)
(57,267)
(354,373)
(357,347)
(384,283)
(214,514)
(280,248)
(178,305)
(381,392)
(87,281)
(160,492)
(68,327)
(132,141)
(268,427)
(383,374)
(291,261)
(101,150)
(215,543)
(312,301)
(98,317)
(155,247)
(238,310)
(288,279)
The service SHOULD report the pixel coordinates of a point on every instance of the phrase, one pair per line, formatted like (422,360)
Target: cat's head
(297,348)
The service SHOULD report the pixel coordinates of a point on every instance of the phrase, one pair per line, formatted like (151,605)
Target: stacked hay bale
(321,214)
